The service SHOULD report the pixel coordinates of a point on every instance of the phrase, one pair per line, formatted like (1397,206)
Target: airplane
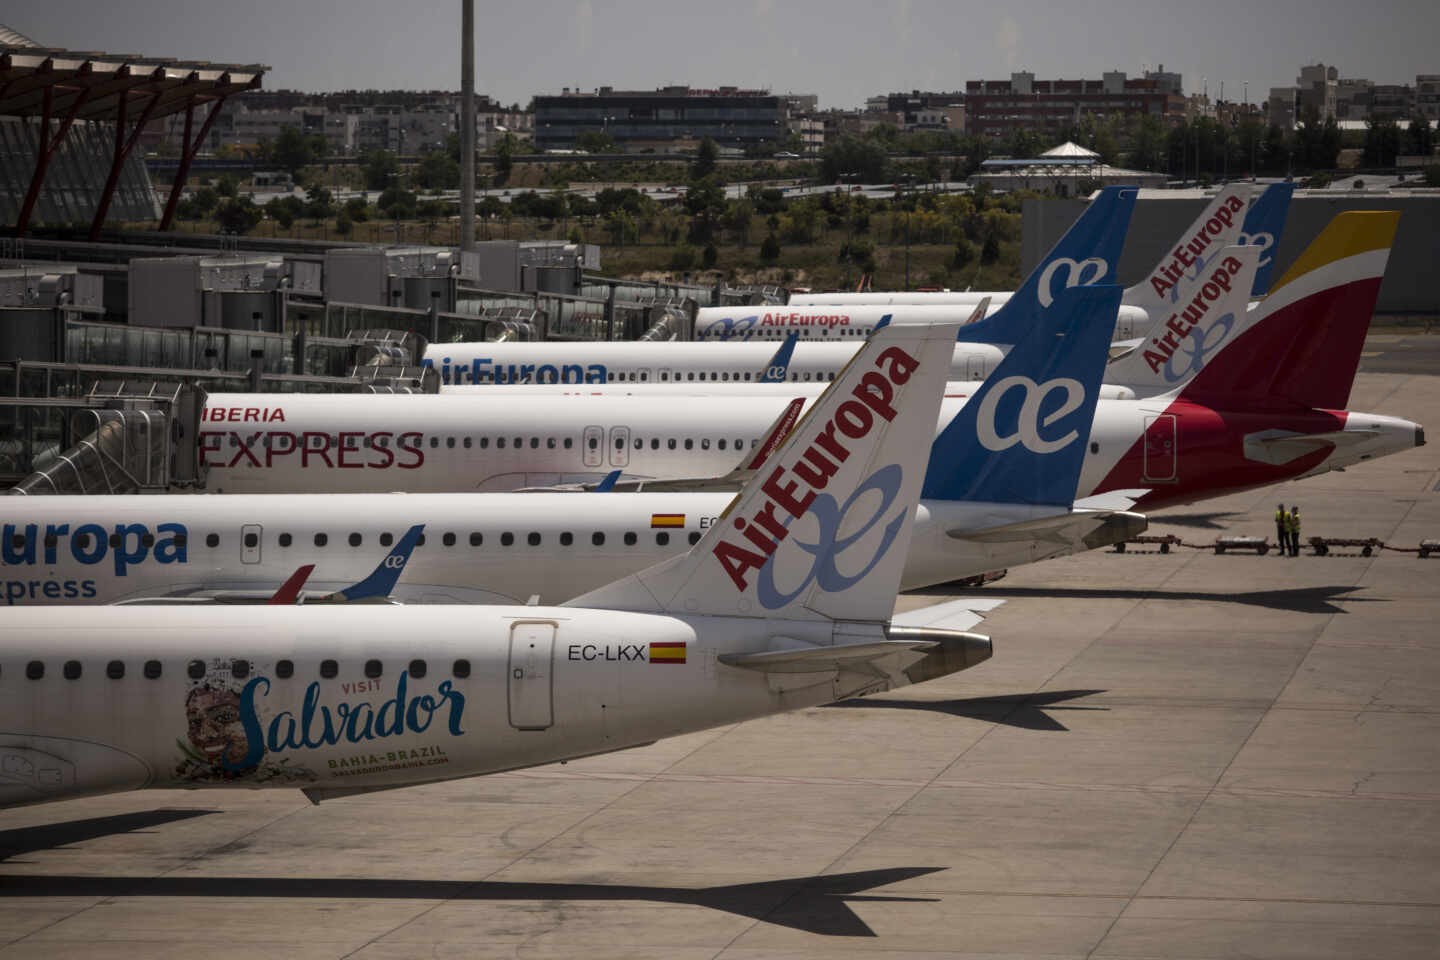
(1190,442)
(356,700)
(1094,240)
(507,547)
(1213,229)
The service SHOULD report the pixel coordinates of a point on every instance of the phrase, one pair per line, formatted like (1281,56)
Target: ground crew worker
(1281,533)
(1292,526)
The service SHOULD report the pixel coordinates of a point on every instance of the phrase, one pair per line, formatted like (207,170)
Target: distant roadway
(1401,353)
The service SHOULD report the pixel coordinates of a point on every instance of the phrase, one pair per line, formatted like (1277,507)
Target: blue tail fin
(379,584)
(1021,438)
(779,366)
(1088,254)
(1263,226)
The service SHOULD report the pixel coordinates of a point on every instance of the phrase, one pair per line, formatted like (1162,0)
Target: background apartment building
(658,119)
(999,108)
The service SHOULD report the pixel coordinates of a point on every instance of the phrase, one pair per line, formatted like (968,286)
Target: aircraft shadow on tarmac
(816,904)
(14,843)
(1028,711)
(1200,521)
(1295,600)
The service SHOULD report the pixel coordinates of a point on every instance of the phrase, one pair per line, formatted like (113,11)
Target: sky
(844,51)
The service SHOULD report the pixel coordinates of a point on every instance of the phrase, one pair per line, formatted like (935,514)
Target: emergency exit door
(590,442)
(532,647)
(619,446)
(1160,448)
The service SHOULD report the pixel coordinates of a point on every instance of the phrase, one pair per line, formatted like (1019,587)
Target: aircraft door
(975,367)
(1160,448)
(619,446)
(590,442)
(532,647)
(250,543)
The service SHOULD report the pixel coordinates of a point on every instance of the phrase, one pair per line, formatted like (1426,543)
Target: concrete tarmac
(1170,755)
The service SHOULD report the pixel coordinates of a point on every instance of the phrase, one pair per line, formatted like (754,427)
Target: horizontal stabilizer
(1112,500)
(1282,446)
(961,614)
(819,659)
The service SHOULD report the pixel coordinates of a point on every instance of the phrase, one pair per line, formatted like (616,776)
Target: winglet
(289,591)
(1087,254)
(779,430)
(852,466)
(608,484)
(379,584)
(779,366)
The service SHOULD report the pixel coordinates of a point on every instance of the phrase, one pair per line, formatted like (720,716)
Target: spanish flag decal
(663,520)
(667,652)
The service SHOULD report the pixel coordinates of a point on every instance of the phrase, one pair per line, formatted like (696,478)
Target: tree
(397,204)
(1420,138)
(991,251)
(437,171)
(227,185)
(1382,142)
(293,149)
(770,249)
(344,225)
(710,256)
(964,254)
(357,210)
(594,141)
(320,203)
(238,216)
(704,201)
(849,157)
(381,169)
(706,160)
(504,158)
(1432,175)
(285,210)
(204,201)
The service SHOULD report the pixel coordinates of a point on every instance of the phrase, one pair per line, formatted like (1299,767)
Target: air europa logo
(1185,324)
(1082,274)
(785,499)
(1028,422)
(486,370)
(126,544)
(1190,255)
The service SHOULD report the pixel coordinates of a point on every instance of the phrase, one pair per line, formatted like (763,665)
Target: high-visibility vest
(1280,516)
(1292,522)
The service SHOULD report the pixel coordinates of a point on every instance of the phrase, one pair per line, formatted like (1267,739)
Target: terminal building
(657,120)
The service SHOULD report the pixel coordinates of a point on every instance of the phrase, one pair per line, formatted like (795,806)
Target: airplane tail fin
(780,364)
(289,591)
(1193,332)
(1087,254)
(1021,438)
(1302,343)
(822,532)
(1217,227)
(382,581)
(1264,225)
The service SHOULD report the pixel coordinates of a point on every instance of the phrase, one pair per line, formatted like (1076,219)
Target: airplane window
(794,377)
(567,538)
(50,541)
(619,445)
(722,443)
(72,670)
(35,669)
(180,540)
(434,442)
(630,539)
(689,444)
(350,442)
(284,669)
(450,442)
(321,539)
(417,668)
(597,538)
(519,442)
(366,441)
(152,669)
(420,540)
(448,539)
(328,669)
(654,443)
(690,376)
(807,377)
(461,669)
(115,669)
(567,443)
(662,539)
(747,377)
(148,540)
(239,669)
(499,443)
(355,539)
(285,539)
(735,375)
(609,376)
(115,540)
(724,376)
(466,442)
(386,539)
(639,444)
(644,376)
(533,539)
(484,443)
(383,441)
(534,443)
(1094,447)
(549,443)
(506,539)
(694,537)
(476,539)
(195,669)
(664,375)
(704,443)
(212,540)
(252,540)
(83,541)
(373,669)
(17,542)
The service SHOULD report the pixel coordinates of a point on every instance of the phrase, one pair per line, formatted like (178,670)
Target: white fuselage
(477,548)
(814,320)
(666,362)
(336,700)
